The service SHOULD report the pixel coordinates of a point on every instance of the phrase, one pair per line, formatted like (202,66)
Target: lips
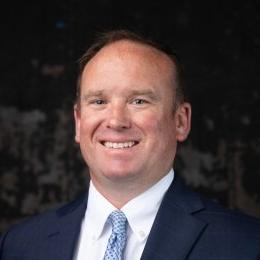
(119,145)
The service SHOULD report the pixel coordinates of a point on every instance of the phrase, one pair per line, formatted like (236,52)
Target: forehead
(123,68)
(127,53)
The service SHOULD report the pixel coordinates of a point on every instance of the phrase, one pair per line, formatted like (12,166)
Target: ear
(183,121)
(77,117)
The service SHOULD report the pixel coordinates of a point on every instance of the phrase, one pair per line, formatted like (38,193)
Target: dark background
(41,41)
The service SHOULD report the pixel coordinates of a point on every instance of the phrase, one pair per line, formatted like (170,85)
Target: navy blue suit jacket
(186,227)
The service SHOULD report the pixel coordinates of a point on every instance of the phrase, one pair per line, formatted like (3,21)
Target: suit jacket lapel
(61,241)
(175,230)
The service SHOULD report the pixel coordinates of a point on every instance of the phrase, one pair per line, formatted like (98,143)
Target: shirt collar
(98,210)
(140,217)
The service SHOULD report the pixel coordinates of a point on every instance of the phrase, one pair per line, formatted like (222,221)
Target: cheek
(160,138)
(161,129)
(87,126)
(150,123)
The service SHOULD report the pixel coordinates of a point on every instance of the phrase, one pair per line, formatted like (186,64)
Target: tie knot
(118,221)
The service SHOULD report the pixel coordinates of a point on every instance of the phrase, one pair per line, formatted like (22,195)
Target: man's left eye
(139,101)
(98,102)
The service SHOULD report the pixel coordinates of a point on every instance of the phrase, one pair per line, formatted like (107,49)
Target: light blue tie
(117,240)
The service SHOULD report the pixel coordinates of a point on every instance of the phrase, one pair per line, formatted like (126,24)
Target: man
(130,113)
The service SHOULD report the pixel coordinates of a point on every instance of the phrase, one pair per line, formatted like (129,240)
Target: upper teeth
(119,145)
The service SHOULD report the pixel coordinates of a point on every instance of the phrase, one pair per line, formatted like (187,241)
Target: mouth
(119,145)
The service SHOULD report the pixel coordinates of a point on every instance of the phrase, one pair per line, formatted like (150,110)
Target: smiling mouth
(119,145)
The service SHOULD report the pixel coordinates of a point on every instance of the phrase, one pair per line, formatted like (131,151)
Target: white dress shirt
(140,213)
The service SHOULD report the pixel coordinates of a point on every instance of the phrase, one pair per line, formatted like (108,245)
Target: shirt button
(141,233)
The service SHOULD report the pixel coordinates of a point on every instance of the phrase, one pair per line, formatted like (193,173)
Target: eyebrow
(135,92)
(147,92)
(91,93)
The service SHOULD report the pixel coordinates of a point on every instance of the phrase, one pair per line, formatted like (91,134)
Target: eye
(139,101)
(97,102)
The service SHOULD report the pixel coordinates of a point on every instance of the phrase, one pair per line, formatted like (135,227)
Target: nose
(118,117)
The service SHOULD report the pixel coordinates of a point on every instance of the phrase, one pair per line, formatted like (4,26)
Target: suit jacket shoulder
(51,235)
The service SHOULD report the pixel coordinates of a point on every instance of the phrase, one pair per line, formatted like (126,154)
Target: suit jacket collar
(175,229)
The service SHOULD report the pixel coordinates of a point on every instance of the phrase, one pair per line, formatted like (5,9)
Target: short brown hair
(106,38)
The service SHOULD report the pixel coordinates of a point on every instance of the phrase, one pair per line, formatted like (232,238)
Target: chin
(118,174)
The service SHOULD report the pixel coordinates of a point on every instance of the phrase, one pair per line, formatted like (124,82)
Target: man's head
(128,118)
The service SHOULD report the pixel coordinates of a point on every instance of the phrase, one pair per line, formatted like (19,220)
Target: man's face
(125,123)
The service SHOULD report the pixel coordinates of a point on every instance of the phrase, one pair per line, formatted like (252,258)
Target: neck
(119,194)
